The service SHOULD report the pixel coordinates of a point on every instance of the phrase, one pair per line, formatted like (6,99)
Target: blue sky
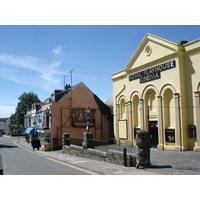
(33,57)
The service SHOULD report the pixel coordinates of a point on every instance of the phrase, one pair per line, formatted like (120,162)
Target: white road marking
(79,161)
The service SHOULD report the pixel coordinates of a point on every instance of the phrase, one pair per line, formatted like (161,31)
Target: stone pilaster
(117,118)
(160,124)
(178,122)
(197,106)
(130,124)
(142,113)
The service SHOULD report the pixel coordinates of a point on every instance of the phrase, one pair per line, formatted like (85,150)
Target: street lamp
(88,118)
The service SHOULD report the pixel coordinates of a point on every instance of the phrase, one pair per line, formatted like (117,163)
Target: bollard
(125,157)
(143,149)
(88,140)
(66,139)
(54,145)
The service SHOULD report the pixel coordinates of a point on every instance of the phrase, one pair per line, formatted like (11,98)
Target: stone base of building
(160,147)
(197,149)
(169,147)
(178,148)
(185,148)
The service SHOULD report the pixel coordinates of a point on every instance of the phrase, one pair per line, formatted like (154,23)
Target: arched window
(122,109)
(136,111)
(151,100)
(151,107)
(169,109)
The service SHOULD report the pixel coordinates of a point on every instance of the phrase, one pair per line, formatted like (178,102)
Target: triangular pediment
(151,49)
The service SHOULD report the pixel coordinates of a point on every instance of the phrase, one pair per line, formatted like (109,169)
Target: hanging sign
(152,73)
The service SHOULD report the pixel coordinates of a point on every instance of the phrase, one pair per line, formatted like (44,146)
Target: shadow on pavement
(160,166)
(7,146)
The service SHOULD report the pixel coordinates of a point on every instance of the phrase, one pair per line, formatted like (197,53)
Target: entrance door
(153,130)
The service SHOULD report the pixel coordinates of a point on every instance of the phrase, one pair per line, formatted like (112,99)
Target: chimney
(67,86)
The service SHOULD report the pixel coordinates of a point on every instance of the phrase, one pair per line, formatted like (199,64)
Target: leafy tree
(25,102)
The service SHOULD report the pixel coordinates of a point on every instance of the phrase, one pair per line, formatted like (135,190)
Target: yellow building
(159,90)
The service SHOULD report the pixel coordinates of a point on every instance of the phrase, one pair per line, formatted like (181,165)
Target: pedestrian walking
(38,145)
(33,143)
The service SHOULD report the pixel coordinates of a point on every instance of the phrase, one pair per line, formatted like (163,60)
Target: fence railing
(112,144)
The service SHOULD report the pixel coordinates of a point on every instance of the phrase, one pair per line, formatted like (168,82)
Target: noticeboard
(170,135)
(192,131)
(122,125)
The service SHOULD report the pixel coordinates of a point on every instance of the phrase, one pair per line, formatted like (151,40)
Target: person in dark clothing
(33,143)
(37,144)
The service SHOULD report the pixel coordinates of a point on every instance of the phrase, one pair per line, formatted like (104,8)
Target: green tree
(25,102)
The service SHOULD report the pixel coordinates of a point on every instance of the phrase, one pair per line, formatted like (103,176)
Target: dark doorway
(153,130)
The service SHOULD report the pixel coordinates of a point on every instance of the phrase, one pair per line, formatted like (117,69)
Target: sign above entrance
(152,73)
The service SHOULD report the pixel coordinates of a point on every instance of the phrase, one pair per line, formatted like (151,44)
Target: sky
(35,58)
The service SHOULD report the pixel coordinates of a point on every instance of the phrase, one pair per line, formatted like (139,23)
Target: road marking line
(60,162)
(79,161)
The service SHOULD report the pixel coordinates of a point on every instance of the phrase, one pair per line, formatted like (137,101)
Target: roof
(141,55)
(110,102)
(58,95)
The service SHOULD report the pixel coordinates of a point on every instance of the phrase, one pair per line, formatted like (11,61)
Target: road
(20,161)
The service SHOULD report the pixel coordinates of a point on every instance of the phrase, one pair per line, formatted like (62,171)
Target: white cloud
(6,111)
(57,51)
(30,71)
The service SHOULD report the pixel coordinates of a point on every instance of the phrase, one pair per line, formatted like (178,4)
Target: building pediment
(151,48)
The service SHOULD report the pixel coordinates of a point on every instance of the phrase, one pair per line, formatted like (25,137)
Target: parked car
(1,165)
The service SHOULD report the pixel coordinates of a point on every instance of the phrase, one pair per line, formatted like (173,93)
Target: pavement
(163,162)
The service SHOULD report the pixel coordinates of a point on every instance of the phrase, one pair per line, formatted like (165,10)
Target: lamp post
(88,118)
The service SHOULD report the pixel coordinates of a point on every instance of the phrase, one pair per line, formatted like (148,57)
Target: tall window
(169,109)
(151,103)
(136,111)
(122,109)
(151,107)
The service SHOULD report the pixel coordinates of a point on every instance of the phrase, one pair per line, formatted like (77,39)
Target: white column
(160,124)
(142,113)
(197,105)
(117,118)
(178,123)
(129,120)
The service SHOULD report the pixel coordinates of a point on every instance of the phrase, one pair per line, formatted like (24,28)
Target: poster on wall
(192,131)
(170,135)
(80,117)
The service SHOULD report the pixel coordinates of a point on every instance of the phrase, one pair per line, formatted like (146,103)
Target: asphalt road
(19,161)
(18,158)
(175,162)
